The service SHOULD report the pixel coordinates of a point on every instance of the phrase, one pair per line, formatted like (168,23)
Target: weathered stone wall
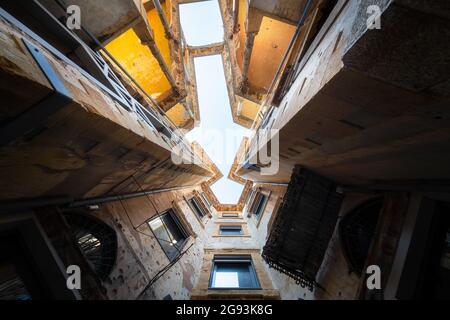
(140,257)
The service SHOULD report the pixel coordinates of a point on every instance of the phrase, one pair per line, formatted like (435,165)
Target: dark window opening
(259,205)
(230,215)
(303,226)
(233,272)
(170,233)
(230,230)
(97,241)
(357,230)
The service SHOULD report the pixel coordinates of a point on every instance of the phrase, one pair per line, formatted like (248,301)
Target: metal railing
(264,108)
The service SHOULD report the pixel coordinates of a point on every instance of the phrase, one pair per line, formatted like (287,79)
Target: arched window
(97,241)
(356,231)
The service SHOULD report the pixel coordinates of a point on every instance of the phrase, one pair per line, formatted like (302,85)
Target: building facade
(99,180)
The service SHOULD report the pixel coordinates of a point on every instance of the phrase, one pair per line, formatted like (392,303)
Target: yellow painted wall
(167,7)
(139,61)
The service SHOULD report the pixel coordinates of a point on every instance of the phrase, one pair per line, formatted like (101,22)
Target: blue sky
(217,133)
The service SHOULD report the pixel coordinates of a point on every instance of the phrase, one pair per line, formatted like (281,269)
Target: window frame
(198,203)
(183,230)
(237,259)
(231,227)
(230,215)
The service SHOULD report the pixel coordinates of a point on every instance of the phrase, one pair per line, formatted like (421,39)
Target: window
(233,272)
(230,230)
(97,241)
(196,207)
(259,205)
(230,215)
(170,233)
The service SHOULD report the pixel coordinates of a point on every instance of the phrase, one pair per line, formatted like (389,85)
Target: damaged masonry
(354,96)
